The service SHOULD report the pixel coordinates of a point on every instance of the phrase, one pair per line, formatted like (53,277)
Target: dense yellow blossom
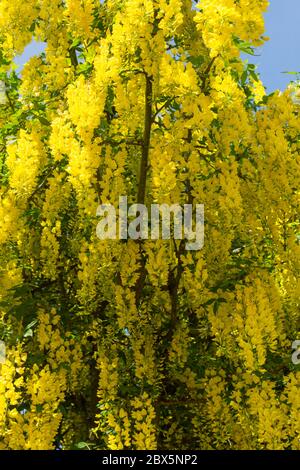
(141,344)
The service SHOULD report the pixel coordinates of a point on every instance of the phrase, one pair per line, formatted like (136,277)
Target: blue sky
(280,54)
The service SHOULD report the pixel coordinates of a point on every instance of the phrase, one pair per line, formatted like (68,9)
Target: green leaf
(196,61)
(82,445)
(28,333)
(43,120)
(254,76)
(75,43)
(85,68)
(31,324)
(292,73)
(244,46)
(217,304)
(244,77)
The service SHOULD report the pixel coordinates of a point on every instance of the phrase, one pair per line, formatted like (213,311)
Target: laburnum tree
(141,344)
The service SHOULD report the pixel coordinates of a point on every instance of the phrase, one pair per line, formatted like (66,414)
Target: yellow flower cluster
(27,151)
(144,416)
(219,21)
(142,344)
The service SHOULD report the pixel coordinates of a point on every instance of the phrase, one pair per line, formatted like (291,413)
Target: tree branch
(146,140)
(73,57)
(207,71)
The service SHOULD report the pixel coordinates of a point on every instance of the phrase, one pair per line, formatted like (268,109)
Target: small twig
(40,186)
(123,141)
(169,101)
(146,140)
(73,57)
(207,71)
